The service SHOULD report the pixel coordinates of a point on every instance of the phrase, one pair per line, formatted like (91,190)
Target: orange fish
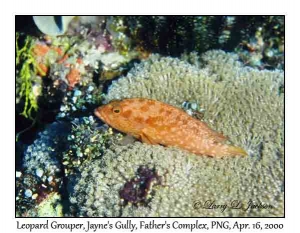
(154,122)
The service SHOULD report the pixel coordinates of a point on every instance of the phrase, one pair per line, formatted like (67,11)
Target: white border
(292,89)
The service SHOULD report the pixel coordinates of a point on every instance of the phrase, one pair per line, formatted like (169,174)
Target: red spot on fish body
(139,119)
(144,108)
(127,113)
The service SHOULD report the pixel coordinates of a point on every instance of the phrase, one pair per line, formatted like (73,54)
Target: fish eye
(116,110)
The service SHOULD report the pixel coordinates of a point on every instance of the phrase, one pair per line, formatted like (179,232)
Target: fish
(57,25)
(52,25)
(157,123)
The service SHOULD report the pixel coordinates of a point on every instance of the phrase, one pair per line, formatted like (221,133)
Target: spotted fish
(154,122)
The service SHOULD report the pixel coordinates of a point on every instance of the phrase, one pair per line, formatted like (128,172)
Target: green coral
(50,207)
(186,179)
(244,103)
(29,68)
(87,141)
(259,40)
(116,27)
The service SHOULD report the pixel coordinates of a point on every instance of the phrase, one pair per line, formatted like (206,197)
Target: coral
(42,172)
(116,28)
(80,100)
(26,187)
(138,189)
(84,60)
(45,151)
(51,206)
(35,60)
(244,103)
(186,178)
(26,76)
(71,68)
(265,48)
(59,77)
(156,76)
(73,77)
(86,142)
(48,67)
(55,157)
(259,40)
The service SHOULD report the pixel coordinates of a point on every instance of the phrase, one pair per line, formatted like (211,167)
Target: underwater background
(227,71)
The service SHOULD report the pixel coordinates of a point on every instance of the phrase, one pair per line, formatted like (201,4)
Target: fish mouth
(98,113)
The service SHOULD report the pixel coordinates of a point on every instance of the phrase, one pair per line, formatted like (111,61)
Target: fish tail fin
(235,150)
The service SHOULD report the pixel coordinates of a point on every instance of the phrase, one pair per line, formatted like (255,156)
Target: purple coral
(137,189)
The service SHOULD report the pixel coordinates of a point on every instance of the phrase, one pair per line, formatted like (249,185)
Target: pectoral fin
(145,137)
